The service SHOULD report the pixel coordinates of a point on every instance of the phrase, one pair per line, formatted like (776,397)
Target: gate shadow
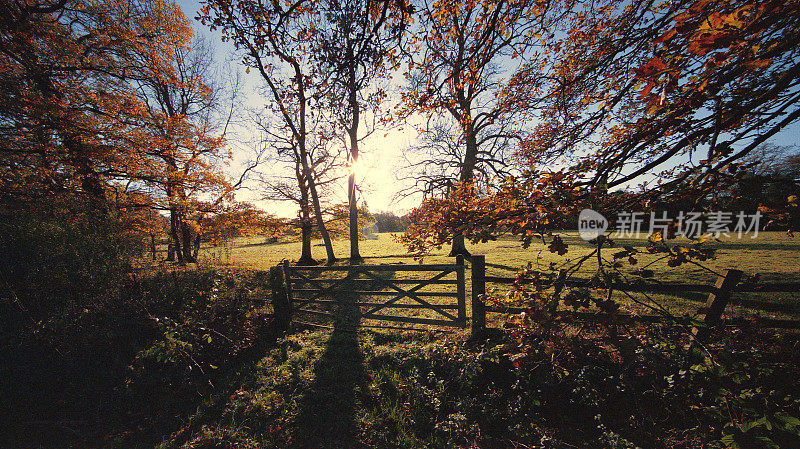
(328,408)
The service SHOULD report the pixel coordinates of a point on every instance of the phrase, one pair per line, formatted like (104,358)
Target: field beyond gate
(366,295)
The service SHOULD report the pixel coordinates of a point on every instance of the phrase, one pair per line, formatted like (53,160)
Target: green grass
(772,255)
(348,388)
(203,375)
(375,389)
(339,389)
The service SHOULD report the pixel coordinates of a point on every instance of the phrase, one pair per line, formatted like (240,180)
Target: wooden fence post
(558,285)
(287,280)
(281,299)
(478,293)
(716,303)
(461,289)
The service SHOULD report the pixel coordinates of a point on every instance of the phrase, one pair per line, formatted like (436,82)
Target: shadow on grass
(700,297)
(328,408)
(755,245)
(391,256)
(502,267)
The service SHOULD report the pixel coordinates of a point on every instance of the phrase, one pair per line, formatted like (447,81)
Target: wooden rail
(288,281)
(716,302)
(670,287)
(303,280)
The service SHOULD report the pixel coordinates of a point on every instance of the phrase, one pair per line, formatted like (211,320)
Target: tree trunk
(153,246)
(197,245)
(355,256)
(176,250)
(308,175)
(186,232)
(459,248)
(467,168)
(174,230)
(305,255)
(305,222)
(93,186)
(91,182)
(326,238)
(170,249)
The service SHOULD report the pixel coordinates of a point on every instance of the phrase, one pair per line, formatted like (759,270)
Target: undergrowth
(322,389)
(188,360)
(130,364)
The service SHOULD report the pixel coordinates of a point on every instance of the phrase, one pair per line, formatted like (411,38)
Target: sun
(355,167)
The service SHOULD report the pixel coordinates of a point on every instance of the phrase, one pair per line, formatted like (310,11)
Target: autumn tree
(356,46)
(65,91)
(236,219)
(389,222)
(671,96)
(464,50)
(339,222)
(276,40)
(293,186)
(767,181)
(681,90)
(139,222)
(68,148)
(434,162)
(111,97)
(185,115)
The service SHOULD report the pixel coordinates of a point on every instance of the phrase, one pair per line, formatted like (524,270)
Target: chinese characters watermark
(689,224)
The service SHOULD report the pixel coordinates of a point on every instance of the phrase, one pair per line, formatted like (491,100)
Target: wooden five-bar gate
(322,291)
(316,290)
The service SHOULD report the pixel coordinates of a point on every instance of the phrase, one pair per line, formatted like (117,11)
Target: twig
(705,268)
(651,263)
(580,262)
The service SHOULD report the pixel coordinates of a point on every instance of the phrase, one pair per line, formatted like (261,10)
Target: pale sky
(379,161)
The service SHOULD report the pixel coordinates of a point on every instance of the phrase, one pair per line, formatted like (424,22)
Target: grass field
(202,367)
(389,389)
(774,256)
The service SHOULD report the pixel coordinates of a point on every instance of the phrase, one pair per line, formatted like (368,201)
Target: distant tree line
(389,222)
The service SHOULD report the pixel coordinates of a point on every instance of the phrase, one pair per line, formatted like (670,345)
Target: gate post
(716,303)
(461,289)
(287,280)
(478,293)
(281,299)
